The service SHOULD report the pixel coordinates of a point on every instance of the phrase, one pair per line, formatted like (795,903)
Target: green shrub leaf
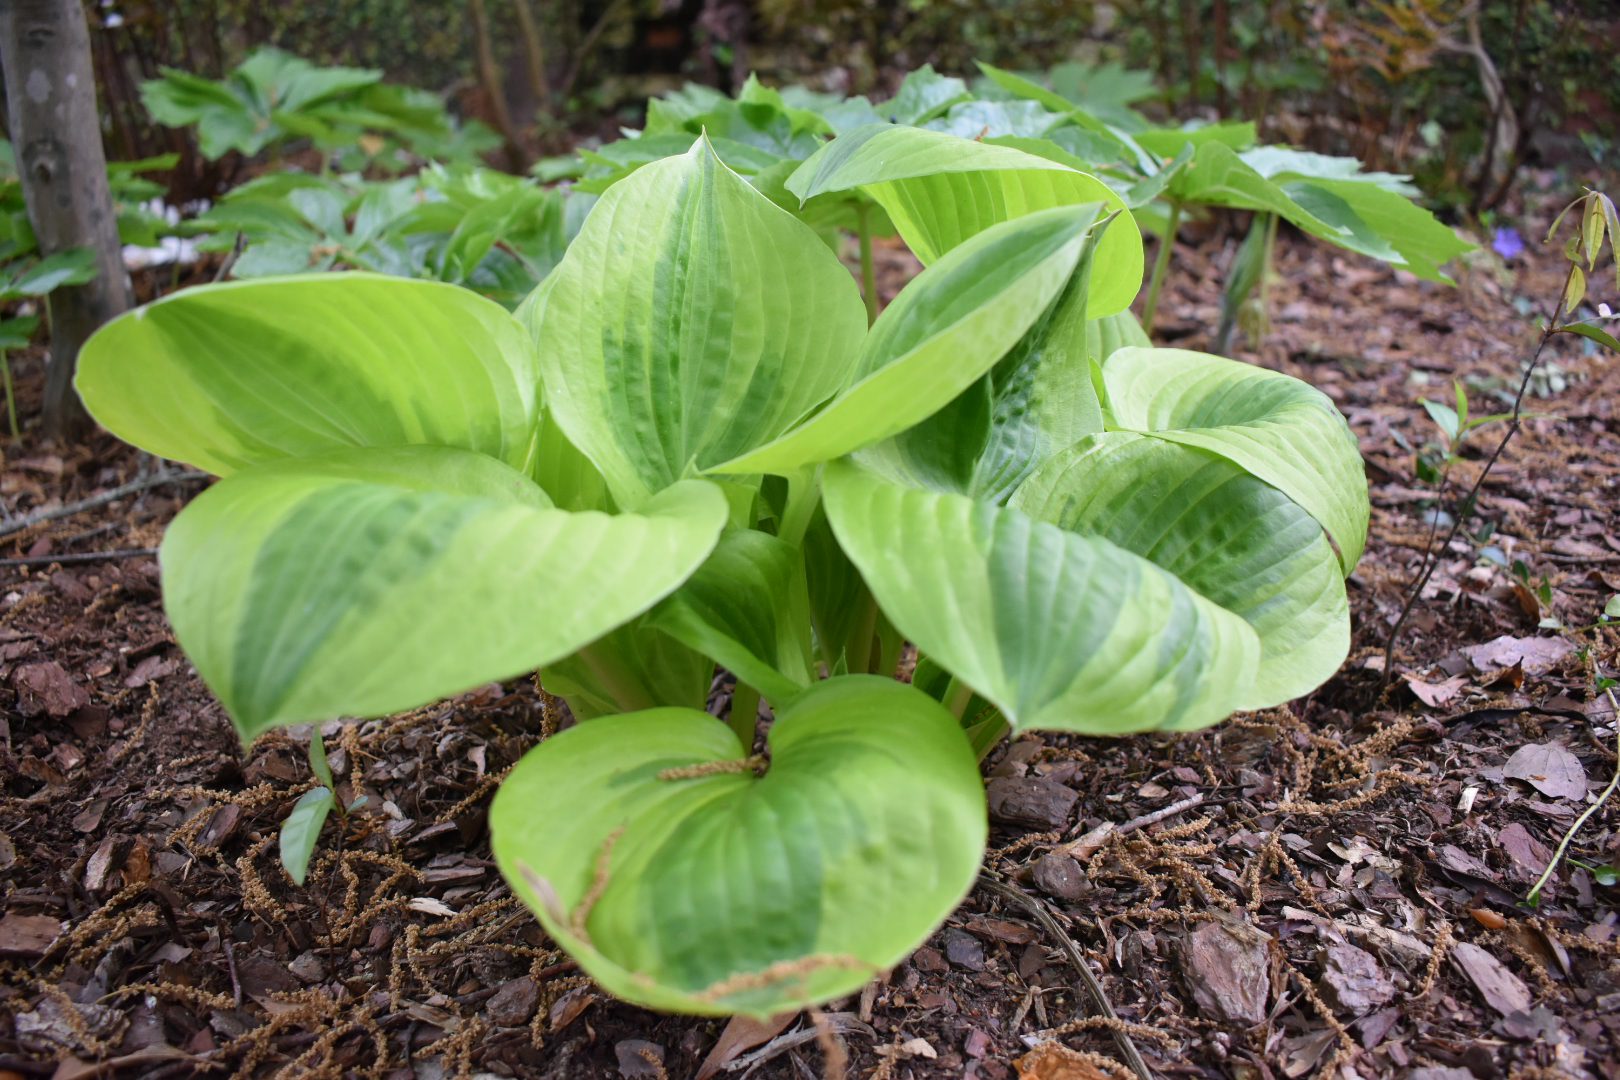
(227,376)
(370,581)
(1282,430)
(302,831)
(692,320)
(939,190)
(1232,538)
(1056,629)
(736,893)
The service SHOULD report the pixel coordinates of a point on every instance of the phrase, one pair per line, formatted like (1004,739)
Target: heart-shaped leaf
(1232,538)
(227,376)
(948,326)
(691,321)
(1056,629)
(682,881)
(1282,430)
(939,190)
(370,581)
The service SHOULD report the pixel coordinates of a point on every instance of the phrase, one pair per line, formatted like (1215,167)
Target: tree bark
(51,93)
(489,77)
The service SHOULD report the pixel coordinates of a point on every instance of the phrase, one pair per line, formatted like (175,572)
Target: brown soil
(1338,884)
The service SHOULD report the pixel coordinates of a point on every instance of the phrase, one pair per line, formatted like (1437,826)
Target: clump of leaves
(1083,121)
(467,225)
(688,449)
(274,98)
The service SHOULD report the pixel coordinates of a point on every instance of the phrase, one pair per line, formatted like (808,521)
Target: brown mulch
(1334,885)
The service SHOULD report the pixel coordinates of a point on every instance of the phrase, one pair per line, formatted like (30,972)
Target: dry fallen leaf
(1050,1061)
(1536,655)
(1436,695)
(1549,768)
(741,1034)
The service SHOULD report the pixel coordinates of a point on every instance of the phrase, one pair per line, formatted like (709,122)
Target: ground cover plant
(1411,866)
(688,448)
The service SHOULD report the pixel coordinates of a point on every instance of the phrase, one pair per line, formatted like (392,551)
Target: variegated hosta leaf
(948,326)
(227,376)
(940,189)
(746,607)
(1232,538)
(1056,629)
(1036,400)
(369,581)
(1282,430)
(681,880)
(691,321)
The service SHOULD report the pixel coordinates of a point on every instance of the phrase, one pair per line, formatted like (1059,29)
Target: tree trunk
(51,91)
(489,77)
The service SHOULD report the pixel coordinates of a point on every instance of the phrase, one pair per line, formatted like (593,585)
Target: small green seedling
(302,829)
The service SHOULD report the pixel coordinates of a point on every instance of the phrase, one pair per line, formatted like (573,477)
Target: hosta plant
(688,449)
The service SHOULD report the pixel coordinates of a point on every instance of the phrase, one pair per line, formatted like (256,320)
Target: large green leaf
(1378,217)
(948,326)
(736,893)
(692,320)
(939,190)
(739,608)
(369,581)
(1036,400)
(1282,430)
(1056,629)
(1234,539)
(227,376)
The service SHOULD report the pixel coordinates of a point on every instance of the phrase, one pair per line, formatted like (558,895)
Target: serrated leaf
(302,831)
(1277,428)
(1232,538)
(1057,630)
(736,893)
(227,376)
(370,581)
(939,190)
(948,326)
(691,321)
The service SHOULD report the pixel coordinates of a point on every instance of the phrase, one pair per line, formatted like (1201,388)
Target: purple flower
(1507,243)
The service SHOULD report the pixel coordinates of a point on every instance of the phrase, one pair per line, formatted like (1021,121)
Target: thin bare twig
(1101,1006)
(78,557)
(1465,509)
(144,484)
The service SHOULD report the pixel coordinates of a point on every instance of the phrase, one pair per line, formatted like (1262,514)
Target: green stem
(1161,263)
(868,276)
(11,394)
(858,651)
(804,495)
(621,684)
(957,696)
(1265,269)
(744,714)
(1534,896)
(890,644)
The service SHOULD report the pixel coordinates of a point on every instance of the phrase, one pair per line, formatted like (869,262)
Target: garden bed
(1337,882)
